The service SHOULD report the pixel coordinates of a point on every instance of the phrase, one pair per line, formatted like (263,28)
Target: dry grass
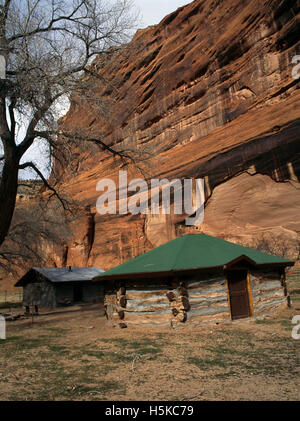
(62,357)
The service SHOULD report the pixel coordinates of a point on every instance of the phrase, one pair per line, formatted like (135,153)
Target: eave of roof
(173,273)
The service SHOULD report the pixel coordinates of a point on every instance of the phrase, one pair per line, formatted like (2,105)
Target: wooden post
(282,273)
(249,293)
(32,315)
(228,294)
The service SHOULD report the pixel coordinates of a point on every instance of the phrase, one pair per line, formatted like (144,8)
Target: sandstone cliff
(207,93)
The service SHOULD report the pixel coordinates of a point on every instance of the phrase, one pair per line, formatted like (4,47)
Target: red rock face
(209,93)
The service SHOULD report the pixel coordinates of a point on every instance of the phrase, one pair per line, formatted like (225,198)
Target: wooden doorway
(77,293)
(238,294)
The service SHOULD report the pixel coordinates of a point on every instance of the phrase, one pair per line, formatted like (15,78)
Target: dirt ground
(75,355)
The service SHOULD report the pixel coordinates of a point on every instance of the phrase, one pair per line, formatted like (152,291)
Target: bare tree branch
(38,172)
(48,48)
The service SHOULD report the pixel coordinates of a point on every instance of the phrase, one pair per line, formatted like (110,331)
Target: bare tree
(46,51)
(287,248)
(33,230)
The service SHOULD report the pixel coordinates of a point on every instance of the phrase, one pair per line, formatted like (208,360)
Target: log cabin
(52,287)
(194,280)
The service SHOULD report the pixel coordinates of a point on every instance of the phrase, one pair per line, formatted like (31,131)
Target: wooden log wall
(140,303)
(169,303)
(200,300)
(179,303)
(268,290)
(208,299)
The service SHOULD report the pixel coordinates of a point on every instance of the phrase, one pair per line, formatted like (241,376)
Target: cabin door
(238,294)
(77,291)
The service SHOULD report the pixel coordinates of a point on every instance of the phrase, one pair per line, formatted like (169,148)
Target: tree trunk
(8,193)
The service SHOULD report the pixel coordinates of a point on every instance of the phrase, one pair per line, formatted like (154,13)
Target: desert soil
(76,355)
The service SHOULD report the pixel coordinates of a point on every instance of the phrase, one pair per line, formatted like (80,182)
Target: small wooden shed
(50,287)
(194,280)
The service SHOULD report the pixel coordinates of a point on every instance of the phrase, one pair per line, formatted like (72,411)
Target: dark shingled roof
(190,252)
(60,275)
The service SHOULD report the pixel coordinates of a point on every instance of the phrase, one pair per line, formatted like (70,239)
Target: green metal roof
(193,251)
